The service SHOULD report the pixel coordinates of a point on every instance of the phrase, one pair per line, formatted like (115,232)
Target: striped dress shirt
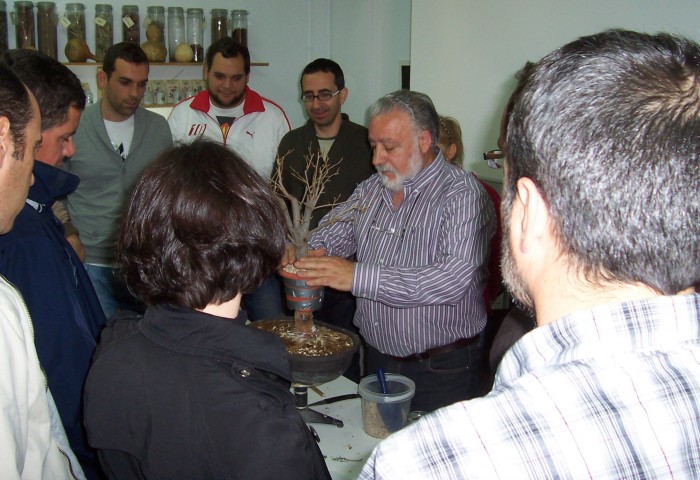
(609,393)
(421,267)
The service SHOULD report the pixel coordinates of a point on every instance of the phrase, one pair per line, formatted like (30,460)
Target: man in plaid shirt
(601,214)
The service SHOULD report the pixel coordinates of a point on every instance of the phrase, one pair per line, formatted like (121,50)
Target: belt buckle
(422,356)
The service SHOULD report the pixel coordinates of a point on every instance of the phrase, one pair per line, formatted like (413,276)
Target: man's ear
(101,79)
(5,139)
(424,141)
(343,95)
(533,214)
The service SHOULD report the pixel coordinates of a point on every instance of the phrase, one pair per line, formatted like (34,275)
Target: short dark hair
(228,48)
(16,106)
(327,66)
(201,227)
(521,77)
(418,106)
(55,87)
(608,128)
(127,51)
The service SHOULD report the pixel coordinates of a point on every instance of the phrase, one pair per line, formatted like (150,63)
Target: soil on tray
(322,342)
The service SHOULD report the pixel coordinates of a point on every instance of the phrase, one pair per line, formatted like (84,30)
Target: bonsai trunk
(316,172)
(303,321)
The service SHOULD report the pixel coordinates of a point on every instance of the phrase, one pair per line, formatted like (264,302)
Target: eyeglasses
(323,96)
(492,155)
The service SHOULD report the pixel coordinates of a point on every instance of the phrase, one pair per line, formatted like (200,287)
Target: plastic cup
(384,414)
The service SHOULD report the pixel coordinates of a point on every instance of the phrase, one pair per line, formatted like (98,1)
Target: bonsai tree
(317,171)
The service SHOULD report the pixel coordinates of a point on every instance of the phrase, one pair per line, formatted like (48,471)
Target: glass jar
(156,16)
(3,26)
(176,29)
(239,26)
(219,24)
(24,24)
(75,20)
(131,28)
(46,23)
(89,97)
(195,33)
(104,30)
(159,95)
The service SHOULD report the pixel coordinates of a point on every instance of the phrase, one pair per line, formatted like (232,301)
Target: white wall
(464,53)
(368,38)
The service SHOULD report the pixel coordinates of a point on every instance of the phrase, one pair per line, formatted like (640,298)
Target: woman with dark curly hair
(188,391)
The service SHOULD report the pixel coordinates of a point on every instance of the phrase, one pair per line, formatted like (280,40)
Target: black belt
(442,350)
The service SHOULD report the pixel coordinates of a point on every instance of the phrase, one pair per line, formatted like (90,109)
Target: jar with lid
(89,97)
(104,29)
(159,95)
(219,24)
(131,28)
(176,30)
(75,20)
(239,26)
(3,26)
(24,24)
(155,34)
(195,33)
(46,22)
(155,24)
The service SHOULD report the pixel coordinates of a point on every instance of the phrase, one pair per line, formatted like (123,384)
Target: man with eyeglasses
(420,230)
(332,135)
(230,113)
(328,132)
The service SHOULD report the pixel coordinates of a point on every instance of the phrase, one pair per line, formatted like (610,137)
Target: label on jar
(65,21)
(128,21)
(100,22)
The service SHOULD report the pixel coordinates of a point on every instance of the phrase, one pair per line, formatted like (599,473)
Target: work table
(345,449)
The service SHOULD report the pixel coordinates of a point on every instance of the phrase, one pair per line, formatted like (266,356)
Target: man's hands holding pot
(318,269)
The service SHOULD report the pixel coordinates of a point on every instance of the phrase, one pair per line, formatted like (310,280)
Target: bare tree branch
(318,170)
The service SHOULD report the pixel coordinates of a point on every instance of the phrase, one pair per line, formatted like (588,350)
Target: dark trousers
(265,301)
(440,379)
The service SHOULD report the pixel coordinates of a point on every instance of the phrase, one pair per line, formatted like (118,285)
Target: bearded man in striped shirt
(412,243)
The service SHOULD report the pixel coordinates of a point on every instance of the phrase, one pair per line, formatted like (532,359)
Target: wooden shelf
(161,64)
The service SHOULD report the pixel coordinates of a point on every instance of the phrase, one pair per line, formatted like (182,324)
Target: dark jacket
(64,308)
(184,394)
(350,148)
